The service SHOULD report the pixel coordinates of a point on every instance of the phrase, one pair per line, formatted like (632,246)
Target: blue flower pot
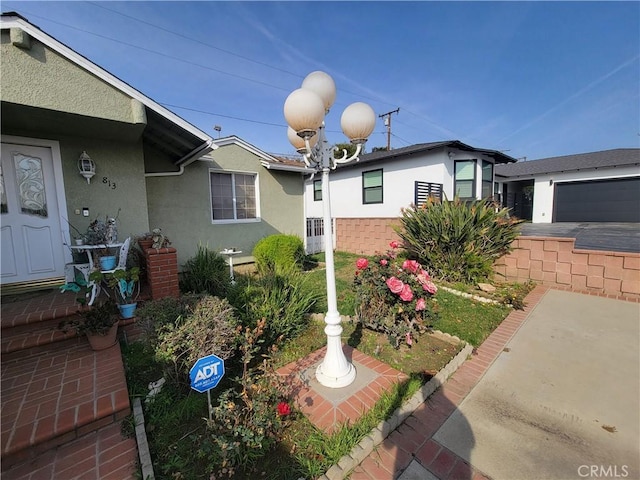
(127,310)
(108,262)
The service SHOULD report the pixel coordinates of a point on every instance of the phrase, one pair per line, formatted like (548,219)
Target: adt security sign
(206,373)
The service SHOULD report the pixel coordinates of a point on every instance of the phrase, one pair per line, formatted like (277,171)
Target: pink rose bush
(394,297)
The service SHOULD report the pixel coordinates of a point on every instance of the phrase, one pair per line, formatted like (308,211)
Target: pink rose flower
(384,262)
(362,263)
(411,266)
(421,304)
(430,287)
(409,340)
(406,294)
(423,275)
(394,244)
(395,285)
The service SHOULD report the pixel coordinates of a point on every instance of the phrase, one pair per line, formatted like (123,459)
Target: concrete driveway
(618,237)
(562,401)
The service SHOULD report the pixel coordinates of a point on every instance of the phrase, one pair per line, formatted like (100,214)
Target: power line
(229,52)
(206,67)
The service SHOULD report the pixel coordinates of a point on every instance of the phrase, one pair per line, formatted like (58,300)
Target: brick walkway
(414,438)
(62,403)
(328,408)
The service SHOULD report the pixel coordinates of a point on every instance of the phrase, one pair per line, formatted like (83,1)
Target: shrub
(249,415)
(458,241)
(394,299)
(279,251)
(206,272)
(281,297)
(210,328)
(155,315)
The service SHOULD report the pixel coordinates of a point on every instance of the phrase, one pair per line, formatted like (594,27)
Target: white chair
(121,265)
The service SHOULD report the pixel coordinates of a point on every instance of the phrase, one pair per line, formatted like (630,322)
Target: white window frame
(233,186)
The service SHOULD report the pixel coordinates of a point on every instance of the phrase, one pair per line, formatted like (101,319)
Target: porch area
(62,403)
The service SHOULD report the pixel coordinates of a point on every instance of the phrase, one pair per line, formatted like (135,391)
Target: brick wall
(365,236)
(556,262)
(162,272)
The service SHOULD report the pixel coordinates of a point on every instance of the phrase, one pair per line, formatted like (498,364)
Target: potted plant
(99,324)
(122,282)
(103,232)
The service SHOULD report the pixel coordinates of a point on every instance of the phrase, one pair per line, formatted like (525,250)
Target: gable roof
(582,161)
(383,155)
(165,130)
(266,160)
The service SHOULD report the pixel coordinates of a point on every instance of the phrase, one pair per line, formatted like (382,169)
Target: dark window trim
(381,187)
(317,192)
(474,180)
(488,183)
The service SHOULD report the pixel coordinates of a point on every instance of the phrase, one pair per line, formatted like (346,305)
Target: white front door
(30,233)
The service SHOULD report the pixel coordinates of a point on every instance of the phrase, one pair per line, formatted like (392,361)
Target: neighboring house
(370,194)
(587,187)
(231,197)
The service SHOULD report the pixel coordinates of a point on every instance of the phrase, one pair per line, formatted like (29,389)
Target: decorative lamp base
(336,382)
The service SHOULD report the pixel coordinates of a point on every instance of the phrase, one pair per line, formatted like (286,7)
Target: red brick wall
(556,262)
(162,272)
(366,236)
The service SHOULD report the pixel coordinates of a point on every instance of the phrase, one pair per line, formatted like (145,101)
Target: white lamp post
(304,111)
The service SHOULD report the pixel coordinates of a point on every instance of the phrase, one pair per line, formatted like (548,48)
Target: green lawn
(175,425)
(467,319)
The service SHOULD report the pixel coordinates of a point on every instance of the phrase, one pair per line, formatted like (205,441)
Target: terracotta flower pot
(102,342)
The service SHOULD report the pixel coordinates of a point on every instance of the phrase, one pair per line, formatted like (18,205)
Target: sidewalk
(505,414)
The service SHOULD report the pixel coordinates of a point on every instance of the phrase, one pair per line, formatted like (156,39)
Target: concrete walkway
(553,393)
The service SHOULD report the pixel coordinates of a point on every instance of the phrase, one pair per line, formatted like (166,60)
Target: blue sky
(533,79)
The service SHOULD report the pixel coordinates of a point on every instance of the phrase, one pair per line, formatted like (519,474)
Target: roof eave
(17,21)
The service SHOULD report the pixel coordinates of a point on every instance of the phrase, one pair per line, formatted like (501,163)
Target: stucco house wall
(181,205)
(44,96)
(59,104)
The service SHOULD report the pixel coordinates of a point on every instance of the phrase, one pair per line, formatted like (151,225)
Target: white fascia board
(286,167)
(99,72)
(234,140)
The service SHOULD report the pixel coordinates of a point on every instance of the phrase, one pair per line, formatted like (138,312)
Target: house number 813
(112,185)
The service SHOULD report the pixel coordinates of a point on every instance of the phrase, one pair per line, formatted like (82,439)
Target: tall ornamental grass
(458,241)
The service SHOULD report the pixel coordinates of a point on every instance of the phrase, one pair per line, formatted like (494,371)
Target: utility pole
(387,123)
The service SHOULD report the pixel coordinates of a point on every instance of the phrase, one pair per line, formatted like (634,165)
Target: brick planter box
(556,262)
(162,272)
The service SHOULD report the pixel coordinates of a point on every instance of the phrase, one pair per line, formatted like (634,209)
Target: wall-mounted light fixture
(86,166)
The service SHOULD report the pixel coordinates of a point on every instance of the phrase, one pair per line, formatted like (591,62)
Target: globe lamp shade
(322,84)
(358,121)
(304,111)
(298,142)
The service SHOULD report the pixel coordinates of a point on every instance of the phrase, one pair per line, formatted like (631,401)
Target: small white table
(86,269)
(230,252)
